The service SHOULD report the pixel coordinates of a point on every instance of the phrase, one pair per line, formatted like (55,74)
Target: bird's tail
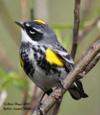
(77,91)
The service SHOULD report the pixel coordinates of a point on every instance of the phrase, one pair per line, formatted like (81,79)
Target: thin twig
(83,33)
(23,5)
(76,27)
(5,61)
(25,97)
(71,77)
(31,14)
(24,9)
(57,107)
(34,99)
(35,89)
(7,20)
(86,9)
(75,41)
(90,65)
(93,63)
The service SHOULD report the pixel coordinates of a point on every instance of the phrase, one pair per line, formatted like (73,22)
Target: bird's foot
(57,93)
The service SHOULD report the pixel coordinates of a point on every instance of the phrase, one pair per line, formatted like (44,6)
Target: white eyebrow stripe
(37,29)
(27,24)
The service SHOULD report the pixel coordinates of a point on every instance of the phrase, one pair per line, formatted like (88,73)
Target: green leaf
(11,79)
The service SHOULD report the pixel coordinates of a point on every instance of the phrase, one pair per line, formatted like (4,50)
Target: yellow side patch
(21,62)
(40,21)
(52,58)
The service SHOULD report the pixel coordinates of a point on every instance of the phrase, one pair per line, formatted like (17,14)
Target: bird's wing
(59,56)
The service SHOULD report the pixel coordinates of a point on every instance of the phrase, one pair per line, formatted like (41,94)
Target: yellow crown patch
(52,58)
(40,21)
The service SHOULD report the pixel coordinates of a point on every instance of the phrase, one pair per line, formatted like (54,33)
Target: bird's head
(35,31)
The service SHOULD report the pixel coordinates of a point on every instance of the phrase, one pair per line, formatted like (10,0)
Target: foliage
(12,79)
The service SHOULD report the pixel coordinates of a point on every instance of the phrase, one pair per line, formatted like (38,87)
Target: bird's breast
(27,59)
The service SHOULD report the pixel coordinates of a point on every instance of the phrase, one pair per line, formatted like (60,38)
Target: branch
(71,77)
(86,9)
(89,66)
(92,63)
(88,29)
(5,61)
(24,9)
(36,91)
(76,27)
(31,14)
(75,42)
(57,107)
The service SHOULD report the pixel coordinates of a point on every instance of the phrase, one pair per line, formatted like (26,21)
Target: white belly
(46,82)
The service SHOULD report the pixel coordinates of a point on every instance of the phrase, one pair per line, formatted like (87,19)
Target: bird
(45,61)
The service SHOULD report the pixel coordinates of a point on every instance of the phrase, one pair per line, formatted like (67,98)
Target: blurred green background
(59,15)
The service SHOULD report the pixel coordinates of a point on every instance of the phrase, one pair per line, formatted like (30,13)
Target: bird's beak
(20,24)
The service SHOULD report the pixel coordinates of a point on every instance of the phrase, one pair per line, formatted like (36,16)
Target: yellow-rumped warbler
(44,60)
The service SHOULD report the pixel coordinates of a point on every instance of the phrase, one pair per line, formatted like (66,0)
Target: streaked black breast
(27,64)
